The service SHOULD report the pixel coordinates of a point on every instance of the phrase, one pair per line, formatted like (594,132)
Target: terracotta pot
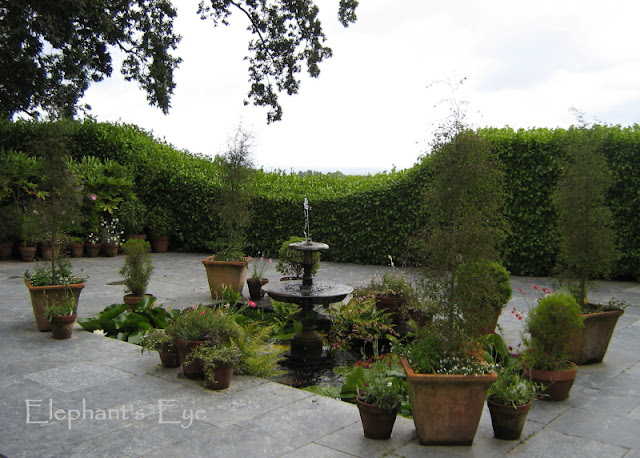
(6,250)
(93,249)
(391,305)
(160,244)
(229,273)
(48,251)
(589,344)
(169,355)
(27,253)
(446,408)
(221,377)
(255,287)
(193,370)
(42,295)
(377,423)
(62,326)
(132,301)
(76,250)
(110,250)
(507,420)
(558,383)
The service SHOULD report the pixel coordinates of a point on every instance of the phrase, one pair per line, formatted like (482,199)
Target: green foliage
(119,322)
(137,266)
(202,323)
(66,307)
(160,222)
(132,215)
(483,285)
(587,239)
(512,389)
(42,275)
(290,260)
(155,339)
(551,324)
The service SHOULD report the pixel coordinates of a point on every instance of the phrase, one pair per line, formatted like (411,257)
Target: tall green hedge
(364,218)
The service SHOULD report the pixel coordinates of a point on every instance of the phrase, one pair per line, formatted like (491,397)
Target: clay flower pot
(62,326)
(255,287)
(169,355)
(558,383)
(507,420)
(193,370)
(43,295)
(110,249)
(132,301)
(229,273)
(93,249)
(377,423)
(446,408)
(160,244)
(27,253)
(76,250)
(589,344)
(221,377)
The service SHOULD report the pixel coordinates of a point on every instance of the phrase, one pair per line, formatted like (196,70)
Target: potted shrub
(587,240)
(290,261)
(545,360)
(217,361)
(161,225)
(132,215)
(136,270)
(76,246)
(62,316)
(47,290)
(447,376)
(164,344)
(229,265)
(256,281)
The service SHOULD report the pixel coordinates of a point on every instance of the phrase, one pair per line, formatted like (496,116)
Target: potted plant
(132,215)
(62,316)
(550,325)
(110,235)
(29,234)
(161,225)
(229,265)
(217,361)
(93,244)
(136,270)
(256,281)
(447,375)
(46,290)
(164,344)
(290,261)
(587,240)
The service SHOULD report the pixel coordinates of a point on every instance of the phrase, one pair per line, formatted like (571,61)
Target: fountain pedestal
(306,345)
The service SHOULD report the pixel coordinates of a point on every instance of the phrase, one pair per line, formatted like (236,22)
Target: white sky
(373,106)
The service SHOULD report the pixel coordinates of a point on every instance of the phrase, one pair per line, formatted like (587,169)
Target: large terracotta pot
(27,253)
(377,423)
(160,244)
(589,344)
(42,295)
(558,383)
(229,273)
(508,421)
(62,326)
(221,377)
(76,250)
(6,250)
(110,249)
(446,408)
(193,370)
(93,249)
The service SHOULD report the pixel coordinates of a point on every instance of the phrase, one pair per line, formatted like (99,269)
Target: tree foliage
(50,52)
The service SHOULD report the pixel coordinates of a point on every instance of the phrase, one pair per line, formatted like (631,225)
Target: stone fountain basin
(320,293)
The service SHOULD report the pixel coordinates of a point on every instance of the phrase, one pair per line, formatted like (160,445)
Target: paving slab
(134,407)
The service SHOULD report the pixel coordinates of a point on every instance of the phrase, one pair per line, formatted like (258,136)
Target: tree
(51,51)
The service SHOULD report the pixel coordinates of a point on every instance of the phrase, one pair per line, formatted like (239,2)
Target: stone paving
(95,396)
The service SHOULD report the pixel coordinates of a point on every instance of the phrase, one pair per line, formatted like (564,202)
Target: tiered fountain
(306,344)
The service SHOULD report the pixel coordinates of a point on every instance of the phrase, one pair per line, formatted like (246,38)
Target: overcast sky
(374,106)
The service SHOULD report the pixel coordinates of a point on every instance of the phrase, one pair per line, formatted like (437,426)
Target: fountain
(306,344)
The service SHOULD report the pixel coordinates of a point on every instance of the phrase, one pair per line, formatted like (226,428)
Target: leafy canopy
(57,49)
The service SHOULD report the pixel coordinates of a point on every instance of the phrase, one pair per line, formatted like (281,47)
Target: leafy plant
(64,308)
(512,389)
(290,260)
(550,325)
(160,222)
(137,266)
(42,275)
(132,215)
(259,266)
(155,339)
(202,324)
(587,239)
(122,323)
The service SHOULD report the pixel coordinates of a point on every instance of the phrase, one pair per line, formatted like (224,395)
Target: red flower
(535,286)
(252,304)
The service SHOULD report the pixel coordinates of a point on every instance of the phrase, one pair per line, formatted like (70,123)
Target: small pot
(132,301)
(93,249)
(193,370)
(62,326)
(160,244)
(110,249)
(508,421)
(377,423)
(76,250)
(221,377)
(169,355)
(255,287)
(27,253)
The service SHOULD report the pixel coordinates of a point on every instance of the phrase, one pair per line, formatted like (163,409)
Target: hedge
(364,219)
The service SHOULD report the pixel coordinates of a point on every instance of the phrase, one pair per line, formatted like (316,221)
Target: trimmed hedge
(364,218)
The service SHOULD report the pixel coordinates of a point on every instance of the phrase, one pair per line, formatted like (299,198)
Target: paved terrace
(163,415)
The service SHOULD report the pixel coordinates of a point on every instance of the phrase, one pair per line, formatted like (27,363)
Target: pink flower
(270,260)
(510,347)
(203,312)
(93,197)
(252,304)
(194,306)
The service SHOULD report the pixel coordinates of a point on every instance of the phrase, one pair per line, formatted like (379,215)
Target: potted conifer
(136,270)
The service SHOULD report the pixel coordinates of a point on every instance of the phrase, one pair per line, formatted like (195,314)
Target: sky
(379,99)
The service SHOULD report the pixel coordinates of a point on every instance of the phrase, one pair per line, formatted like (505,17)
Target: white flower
(100,332)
